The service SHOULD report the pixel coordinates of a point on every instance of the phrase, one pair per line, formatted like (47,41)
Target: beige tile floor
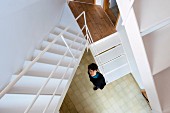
(120,96)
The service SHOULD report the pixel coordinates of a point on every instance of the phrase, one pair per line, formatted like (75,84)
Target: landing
(98,22)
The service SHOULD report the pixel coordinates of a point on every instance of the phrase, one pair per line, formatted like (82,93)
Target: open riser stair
(110,57)
(21,95)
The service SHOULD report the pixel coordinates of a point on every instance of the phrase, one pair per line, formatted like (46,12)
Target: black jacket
(98,82)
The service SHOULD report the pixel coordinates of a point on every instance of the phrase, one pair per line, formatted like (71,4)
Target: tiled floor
(120,96)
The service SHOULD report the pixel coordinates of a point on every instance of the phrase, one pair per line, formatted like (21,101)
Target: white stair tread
(58,49)
(118,73)
(114,64)
(51,58)
(110,54)
(74,45)
(70,30)
(17,103)
(44,70)
(69,35)
(31,85)
(105,43)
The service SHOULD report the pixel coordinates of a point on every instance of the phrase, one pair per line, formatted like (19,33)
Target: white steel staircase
(110,57)
(43,82)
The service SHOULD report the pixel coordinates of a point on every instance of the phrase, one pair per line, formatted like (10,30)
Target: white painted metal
(26,69)
(61,26)
(31,84)
(67,47)
(41,88)
(89,35)
(36,59)
(23,27)
(50,76)
(17,103)
(71,77)
(117,73)
(68,35)
(110,57)
(33,68)
(43,70)
(111,41)
(51,58)
(110,54)
(69,42)
(58,49)
(113,64)
(55,91)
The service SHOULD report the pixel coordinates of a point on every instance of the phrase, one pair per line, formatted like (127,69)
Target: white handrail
(49,77)
(6,89)
(11,84)
(89,40)
(67,46)
(81,32)
(59,82)
(69,78)
(56,90)
(51,74)
(88,32)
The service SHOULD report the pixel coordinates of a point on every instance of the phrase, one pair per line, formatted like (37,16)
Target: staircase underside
(98,22)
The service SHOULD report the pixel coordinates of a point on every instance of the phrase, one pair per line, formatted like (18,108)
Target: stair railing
(12,83)
(51,75)
(67,46)
(57,88)
(89,38)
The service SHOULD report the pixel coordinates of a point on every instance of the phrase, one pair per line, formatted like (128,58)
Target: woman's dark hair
(92,66)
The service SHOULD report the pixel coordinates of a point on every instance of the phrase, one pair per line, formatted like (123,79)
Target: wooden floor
(98,22)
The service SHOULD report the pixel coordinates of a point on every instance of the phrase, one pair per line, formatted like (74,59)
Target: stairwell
(25,90)
(43,87)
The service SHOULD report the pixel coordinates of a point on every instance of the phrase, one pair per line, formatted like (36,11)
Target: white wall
(144,11)
(157,48)
(23,25)
(129,54)
(67,18)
